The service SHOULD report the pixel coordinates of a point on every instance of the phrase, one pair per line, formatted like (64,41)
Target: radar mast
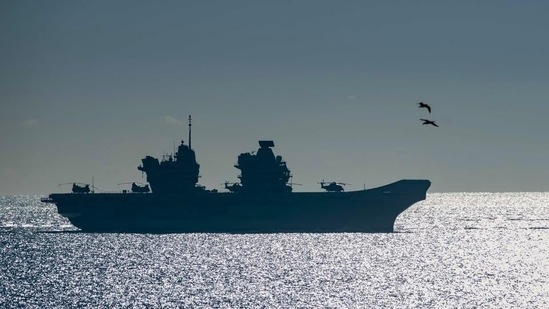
(190,132)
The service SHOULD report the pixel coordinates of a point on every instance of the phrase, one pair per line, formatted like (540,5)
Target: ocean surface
(453,250)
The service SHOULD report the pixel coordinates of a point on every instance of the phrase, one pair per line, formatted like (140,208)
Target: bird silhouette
(427,121)
(425,105)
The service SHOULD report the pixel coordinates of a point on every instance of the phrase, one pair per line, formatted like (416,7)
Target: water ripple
(450,251)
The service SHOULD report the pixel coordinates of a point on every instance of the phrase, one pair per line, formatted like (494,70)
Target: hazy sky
(89,88)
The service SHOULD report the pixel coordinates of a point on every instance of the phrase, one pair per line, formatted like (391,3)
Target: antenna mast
(189,131)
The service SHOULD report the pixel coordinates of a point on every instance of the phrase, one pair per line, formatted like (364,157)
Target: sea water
(453,250)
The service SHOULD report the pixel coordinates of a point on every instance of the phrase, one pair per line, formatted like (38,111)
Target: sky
(89,88)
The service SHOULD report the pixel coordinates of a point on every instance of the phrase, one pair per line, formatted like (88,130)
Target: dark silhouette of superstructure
(263,172)
(262,201)
(178,173)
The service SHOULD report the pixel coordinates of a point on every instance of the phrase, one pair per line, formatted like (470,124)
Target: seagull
(431,122)
(421,104)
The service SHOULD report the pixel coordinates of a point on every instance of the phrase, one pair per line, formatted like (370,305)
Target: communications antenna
(190,132)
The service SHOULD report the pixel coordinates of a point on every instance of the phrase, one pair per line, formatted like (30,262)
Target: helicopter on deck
(332,186)
(138,187)
(233,186)
(78,187)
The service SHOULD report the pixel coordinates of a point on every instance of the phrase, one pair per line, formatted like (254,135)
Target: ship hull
(372,210)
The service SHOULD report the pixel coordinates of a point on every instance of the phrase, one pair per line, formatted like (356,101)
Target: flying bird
(431,122)
(425,105)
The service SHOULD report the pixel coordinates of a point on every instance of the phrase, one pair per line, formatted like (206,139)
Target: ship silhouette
(262,202)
